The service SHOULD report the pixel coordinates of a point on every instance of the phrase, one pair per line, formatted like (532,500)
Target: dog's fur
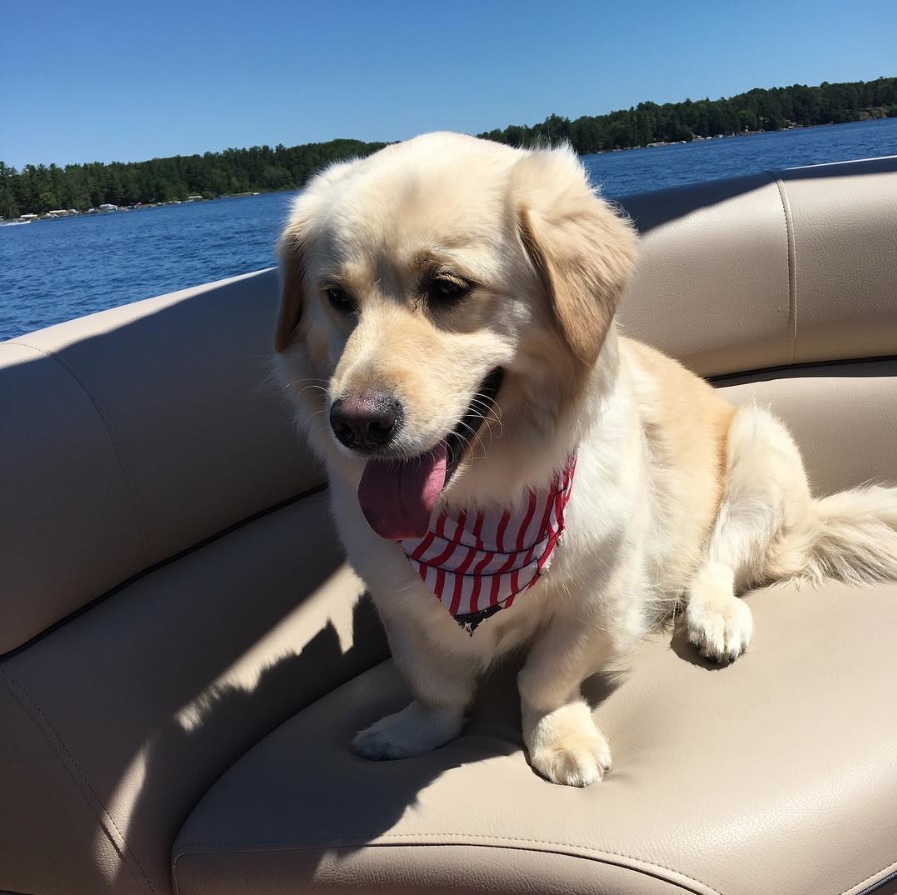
(678,496)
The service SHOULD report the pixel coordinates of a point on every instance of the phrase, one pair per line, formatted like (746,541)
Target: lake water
(52,271)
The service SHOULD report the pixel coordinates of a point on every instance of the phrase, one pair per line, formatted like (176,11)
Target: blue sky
(101,81)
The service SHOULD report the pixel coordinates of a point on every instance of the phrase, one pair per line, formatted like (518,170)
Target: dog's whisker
(468,442)
(296,383)
(308,388)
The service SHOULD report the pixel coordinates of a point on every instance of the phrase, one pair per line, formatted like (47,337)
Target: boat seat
(184,654)
(777,774)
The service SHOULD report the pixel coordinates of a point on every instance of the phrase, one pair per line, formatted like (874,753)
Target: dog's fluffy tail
(850,536)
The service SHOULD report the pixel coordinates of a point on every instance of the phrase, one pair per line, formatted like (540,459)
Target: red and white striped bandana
(477,564)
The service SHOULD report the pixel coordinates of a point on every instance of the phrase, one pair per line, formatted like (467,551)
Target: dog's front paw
(574,764)
(412,731)
(720,628)
(567,748)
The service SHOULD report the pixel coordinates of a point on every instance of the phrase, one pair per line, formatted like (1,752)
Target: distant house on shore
(108,207)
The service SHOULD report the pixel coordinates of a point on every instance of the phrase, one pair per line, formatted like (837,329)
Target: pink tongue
(397,497)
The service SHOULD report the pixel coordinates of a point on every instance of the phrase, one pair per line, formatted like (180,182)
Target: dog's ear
(292,247)
(291,257)
(581,250)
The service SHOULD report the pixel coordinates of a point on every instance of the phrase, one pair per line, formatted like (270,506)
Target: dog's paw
(579,763)
(720,628)
(382,741)
(567,748)
(412,731)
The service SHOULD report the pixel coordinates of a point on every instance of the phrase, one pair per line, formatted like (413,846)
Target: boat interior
(185,655)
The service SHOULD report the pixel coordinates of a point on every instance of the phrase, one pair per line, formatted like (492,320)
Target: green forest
(751,112)
(38,189)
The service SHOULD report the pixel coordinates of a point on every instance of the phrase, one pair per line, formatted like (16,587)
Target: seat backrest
(786,267)
(132,435)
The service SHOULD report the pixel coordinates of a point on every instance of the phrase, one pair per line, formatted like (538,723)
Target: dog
(506,469)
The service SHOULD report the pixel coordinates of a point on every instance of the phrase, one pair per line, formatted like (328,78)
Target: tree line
(39,189)
(751,112)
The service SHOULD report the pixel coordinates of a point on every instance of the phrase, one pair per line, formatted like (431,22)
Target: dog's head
(444,303)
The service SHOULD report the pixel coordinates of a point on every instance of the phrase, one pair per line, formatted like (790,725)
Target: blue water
(52,271)
(639,170)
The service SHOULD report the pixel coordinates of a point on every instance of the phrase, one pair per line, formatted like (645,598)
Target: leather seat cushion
(775,774)
(113,725)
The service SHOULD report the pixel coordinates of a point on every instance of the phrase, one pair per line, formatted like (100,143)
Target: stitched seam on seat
(583,851)
(79,778)
(890,868)
(110,434)
(199,848)
(792,268)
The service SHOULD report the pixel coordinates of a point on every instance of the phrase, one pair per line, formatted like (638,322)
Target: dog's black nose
(367,422)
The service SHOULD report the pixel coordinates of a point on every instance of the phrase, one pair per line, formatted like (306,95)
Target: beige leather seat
(184,656)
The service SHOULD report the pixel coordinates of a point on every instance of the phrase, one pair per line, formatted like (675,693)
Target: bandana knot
(478,563)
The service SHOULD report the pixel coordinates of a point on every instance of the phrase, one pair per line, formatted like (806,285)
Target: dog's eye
(339,299)
(444,290)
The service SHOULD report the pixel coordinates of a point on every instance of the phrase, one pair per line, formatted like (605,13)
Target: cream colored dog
(447,333)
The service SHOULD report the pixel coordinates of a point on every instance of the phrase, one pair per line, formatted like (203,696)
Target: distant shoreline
(61,213)
(697,139)
(262,170)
